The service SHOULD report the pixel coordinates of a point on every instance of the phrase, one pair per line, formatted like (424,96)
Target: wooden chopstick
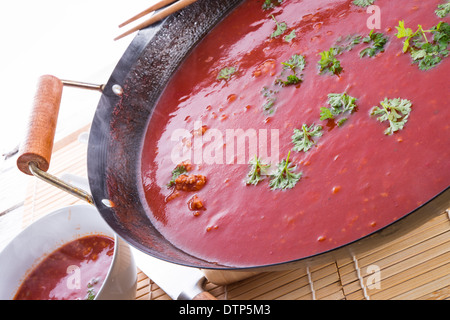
(156,17)
(154,7)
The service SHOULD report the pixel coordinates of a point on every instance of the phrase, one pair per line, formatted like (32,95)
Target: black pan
(120,124)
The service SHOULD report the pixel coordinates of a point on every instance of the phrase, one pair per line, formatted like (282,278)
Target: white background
(69,39)
(72,40)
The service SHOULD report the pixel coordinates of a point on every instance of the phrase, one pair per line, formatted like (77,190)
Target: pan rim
(144,38)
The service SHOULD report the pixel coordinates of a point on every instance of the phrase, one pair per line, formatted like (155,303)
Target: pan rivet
(108,203)
(117,89)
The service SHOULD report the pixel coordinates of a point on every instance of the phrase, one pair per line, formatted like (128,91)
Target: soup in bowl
(70,254)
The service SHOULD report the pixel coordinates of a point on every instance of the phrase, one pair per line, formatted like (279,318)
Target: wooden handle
(204,296)
(38,143)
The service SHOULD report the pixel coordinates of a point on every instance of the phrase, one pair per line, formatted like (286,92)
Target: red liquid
(55,277)
(355,180)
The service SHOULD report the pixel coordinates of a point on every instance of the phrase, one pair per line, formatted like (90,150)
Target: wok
(120,123)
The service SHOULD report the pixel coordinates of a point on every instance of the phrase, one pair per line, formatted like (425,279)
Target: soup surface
(75,271)
(353,122)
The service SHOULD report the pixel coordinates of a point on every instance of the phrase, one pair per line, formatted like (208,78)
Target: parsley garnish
(296,64)
(363,3)
(329,63)
(347,43)
(341,122)
(269,4)
(303,139)
(257,170)
(326,113)
(377,41)
(270,99)
(425,53)
(178,171)
(290,36)
(291,79)
(328,59)
(396,111)
(407,33)
(339,103)
(268,105)
(90,294)
(281,28)
(284,177)
(226,73)
(443,9)
(90,289)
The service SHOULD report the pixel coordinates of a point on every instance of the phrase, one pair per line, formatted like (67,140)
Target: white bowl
(49,233)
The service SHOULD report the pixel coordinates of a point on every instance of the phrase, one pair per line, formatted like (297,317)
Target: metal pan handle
(36,149)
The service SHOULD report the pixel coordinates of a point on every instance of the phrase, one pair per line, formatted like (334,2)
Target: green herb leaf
(226,73)
(326,113)
(290,36)
(270,96)
(443,9)
(257,171)
(90,294)
(339,104)
(281,28)
(341,122)
(178,171)
(296,64)
(347,43)
(376,41)
(329,63)
(363,3)
(403,32)
(284,177)
(303,139)
(268,105)
(269,4)
(291,79)
(396,111)
(427,54)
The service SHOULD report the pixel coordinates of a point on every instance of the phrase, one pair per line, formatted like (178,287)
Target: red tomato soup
(361,128)
(75,271)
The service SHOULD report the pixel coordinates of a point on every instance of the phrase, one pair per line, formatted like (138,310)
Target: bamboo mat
(413,266)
